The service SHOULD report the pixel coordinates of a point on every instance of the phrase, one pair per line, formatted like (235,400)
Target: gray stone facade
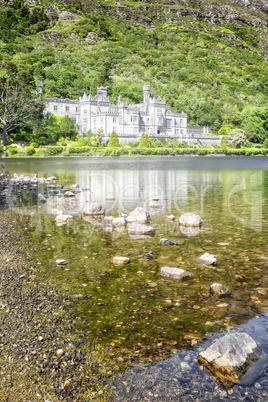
(129,121)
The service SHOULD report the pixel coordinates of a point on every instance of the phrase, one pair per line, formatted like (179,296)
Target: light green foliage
(224,130)
(239,138)
(114,141)
(93,141)
(81,141)
(34,145)
(48,131)
(145,141)
(224,141)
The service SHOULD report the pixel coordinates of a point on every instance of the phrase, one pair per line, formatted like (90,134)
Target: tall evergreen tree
(114,141)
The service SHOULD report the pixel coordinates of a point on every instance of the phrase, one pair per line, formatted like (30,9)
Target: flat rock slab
(175,273)
(190,231)
(139,215)
(140,229)
(218,289)
(168,242)
(208,259)
(63,218)
(120,260)
(229,357)
(190,219)
(94,209)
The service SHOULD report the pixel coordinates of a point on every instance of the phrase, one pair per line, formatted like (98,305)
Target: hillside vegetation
(209,59)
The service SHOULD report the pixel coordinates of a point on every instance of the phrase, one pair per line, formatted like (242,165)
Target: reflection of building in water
(122,190)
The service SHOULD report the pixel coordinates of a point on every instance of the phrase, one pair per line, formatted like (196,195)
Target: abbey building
(153,117)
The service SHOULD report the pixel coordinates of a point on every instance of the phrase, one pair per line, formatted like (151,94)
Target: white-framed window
(114,119)
(136,119)
(168,123)
(135,129)
(67,108)
(55,108)
(181,122)
(85,111)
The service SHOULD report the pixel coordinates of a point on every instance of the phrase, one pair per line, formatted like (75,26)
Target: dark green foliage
(48,131)
(114,142)
(1,149)
(265,144)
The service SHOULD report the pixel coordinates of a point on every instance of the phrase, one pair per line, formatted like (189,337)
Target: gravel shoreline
(43,354)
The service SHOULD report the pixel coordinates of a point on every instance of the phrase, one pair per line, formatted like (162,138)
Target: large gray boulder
(94,209)
(140,229)
(139,215)
(229,357)
(190,219)
(175,273)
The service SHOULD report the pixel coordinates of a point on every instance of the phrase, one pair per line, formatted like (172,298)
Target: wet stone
(175,273)
(120,260)
(168,242)
(218,289)
(61,262)
(148,256)
(208,259)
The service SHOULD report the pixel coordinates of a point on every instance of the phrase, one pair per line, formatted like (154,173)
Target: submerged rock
(190,231)
(140,229)
(229,357)
(175,273)
(62,218)
(120,260)
(139,215)
(168,242)
(190,219)
(94,209)
(155,204)
(218,289)
(170,217)
(208,259)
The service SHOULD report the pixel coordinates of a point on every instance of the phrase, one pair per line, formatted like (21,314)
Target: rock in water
(120,260)
(148,256)
(175,273)
(190,219)
(139,229)
(229,357)
(69,194)
(208,259)
(139,215)
(218,289)
(94,209)
(168,242)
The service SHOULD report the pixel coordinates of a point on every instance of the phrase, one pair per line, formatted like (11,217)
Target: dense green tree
(224,141)
(255,123)
(145,141)
(114,141)
(67,128)
(239,138)
(99,137)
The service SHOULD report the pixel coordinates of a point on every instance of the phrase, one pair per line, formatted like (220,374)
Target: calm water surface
(145,318)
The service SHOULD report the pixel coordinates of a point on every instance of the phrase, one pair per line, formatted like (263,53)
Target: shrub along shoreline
(124,151)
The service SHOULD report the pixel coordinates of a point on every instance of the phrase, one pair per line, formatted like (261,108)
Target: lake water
(144,318)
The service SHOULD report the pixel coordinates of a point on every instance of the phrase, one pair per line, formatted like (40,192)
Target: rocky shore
(43,355)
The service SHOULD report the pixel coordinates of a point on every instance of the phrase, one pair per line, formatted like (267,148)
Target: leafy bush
(1,149)
(12,150)
(52,151)
(42,141)
(114,141)
(79,150)
(224,141)
(30,151)
(265,144)
(240,138)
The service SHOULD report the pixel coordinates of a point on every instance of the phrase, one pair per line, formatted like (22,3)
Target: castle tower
(146,93)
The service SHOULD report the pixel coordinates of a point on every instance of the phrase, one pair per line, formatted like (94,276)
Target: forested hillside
(209,59)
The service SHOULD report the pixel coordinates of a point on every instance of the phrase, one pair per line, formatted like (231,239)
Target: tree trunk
(4,135)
